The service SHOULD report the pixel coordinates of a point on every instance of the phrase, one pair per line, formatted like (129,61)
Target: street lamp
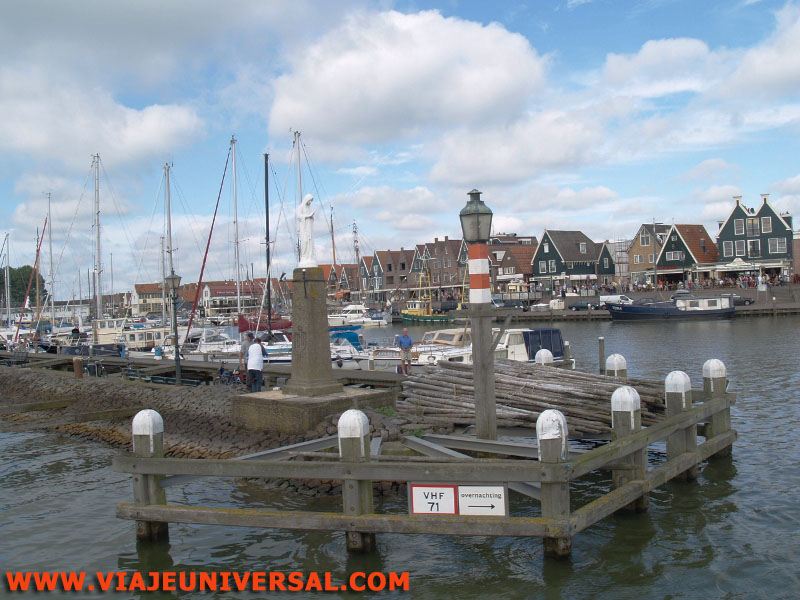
(476,225)
(173,283)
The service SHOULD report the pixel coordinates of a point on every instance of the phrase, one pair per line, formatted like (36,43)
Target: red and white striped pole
(476,221)
(479,285)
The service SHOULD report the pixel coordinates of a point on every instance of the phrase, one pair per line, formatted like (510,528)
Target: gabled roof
(691,235)
(523,255)
(147,288)
(367,260)
(567,244)
(326,270)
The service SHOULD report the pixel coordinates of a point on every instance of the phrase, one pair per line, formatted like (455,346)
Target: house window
(402,266)
(674,238)
(389,279)
(552,266)
(752,227)
(445,249)
(644,239)
(389,267)
(583,247)
(605,263)
(766,224)
(651,258)
(542,266)
(754,248)
(637,259)
(677,255)
(777,245)
(727,249)
(436,278)
(738,226)
(739,247)
(546,248)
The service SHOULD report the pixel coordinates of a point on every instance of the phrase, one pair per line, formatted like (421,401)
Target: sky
(595,115)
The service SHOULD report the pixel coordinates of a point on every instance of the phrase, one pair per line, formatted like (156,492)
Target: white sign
(433,499)
(486,500)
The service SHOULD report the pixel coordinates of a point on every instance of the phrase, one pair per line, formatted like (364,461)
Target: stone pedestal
(293,414)
(312,374)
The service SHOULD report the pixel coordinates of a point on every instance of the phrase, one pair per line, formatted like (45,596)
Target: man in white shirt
(255,365)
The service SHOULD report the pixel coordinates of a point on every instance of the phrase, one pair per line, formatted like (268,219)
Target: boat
(261,323)
(372,318)
(523,344)
(346,315)
(419,310)
(682,308)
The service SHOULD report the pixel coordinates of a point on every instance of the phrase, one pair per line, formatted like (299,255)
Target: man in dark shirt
(406,343)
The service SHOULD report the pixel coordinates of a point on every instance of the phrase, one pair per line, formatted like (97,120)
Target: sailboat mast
(8,286)
(236,233)
(98,287)
(299,188)
(168,207)
(358,259)
(52,272)
(333,248)
(266,207)
(37,268)
(163,285)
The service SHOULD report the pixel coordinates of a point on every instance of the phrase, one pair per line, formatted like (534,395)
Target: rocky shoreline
(197,421)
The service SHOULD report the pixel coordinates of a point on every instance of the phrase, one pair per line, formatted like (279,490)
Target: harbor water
(732,533)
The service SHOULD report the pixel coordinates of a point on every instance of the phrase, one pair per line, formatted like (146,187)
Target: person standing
(406,343)
(243,356)
(255,365)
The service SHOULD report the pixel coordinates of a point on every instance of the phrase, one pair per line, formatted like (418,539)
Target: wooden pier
(697,428)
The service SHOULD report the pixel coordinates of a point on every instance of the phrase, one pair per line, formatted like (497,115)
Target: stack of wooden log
(523,391)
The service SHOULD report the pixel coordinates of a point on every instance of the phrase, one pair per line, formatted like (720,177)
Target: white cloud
(55,118)
(770,69)
(717,194)
(708,169)
(390,201)
(386,75)
(790,185)
(360,171)
(663,67)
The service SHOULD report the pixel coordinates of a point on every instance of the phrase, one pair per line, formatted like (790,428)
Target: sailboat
(420,309)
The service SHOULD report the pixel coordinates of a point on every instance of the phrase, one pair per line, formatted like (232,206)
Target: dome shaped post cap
(544,357)
(626,399)
(677,381)
(714,368)
(353,424)
(147,422)
(616,362)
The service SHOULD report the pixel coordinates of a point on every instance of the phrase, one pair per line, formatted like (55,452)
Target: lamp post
(173,283)
(476,224)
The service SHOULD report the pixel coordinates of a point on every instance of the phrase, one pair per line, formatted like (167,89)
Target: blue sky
(568,114)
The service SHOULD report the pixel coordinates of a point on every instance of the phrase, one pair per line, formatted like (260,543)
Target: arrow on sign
(482,506)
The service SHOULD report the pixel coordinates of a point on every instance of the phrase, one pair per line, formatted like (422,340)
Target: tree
(18,282)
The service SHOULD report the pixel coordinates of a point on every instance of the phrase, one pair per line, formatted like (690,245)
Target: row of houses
(749,241)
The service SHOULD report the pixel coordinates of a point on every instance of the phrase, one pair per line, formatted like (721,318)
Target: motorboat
(679,308)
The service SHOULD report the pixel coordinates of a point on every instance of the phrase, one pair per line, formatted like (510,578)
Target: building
(511,266)
(755,241)
(568,259)
(642,252)
(688,254)
(441,268)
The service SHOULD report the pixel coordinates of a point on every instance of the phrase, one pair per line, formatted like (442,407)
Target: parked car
(681,294)
(584,305)
(738,300)
(515,304)
(615,299)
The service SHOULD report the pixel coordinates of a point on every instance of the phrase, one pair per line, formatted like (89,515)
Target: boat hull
(633,312)
(427,318)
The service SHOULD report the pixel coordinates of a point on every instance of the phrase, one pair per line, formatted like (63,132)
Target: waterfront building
(688,254)
(570,259)
(755,241)
(642,252)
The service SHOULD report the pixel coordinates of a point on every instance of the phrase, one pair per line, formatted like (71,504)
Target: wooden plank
(489,471)
(685,461)
(372,523)
(12,409)
(617,450)
(607,504)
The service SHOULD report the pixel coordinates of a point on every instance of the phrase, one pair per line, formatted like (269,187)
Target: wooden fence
(704,412)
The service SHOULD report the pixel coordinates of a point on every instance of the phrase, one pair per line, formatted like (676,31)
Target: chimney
(435,240)
(737,199)
(764,198)
(445,238)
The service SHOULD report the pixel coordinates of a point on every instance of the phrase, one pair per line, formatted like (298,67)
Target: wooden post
(354,442)
(626,418)
(544,357)
(715,383)
(601,346)
(617,366)
(678,398)
(567,352)
(551,432)
(148,442)
(77,367)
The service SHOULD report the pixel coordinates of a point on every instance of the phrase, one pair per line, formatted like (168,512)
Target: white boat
(346,315)
(372,318)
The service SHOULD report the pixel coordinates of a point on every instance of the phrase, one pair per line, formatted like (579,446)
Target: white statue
(305,214)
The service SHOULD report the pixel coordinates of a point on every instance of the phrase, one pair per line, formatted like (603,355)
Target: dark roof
(523,255)
(692,236)
(568,245)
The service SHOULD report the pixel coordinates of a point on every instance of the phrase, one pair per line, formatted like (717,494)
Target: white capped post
(715,384)
(626,419)
(678,399)
(354,442)
(543,357)
(551,433)
(617,366)
(148,442)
